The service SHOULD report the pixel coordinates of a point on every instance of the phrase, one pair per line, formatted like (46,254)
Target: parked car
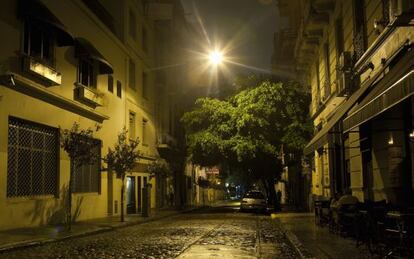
(253,200)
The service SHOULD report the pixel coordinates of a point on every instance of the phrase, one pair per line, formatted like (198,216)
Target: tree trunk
(122,197)
(270,192)
(69,198)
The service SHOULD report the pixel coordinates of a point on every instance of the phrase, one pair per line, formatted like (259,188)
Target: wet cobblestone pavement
(219,231)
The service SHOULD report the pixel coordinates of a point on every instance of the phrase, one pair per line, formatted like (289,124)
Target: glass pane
(24,173)
(11,171)
(37,140)
(25,139)
(37,173)
(47,54)
(35,42)
(50,175)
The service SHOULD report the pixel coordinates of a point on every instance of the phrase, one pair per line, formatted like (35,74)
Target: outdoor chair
(346,217)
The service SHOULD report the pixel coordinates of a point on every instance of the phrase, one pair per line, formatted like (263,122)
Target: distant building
(356,58)
(91,62)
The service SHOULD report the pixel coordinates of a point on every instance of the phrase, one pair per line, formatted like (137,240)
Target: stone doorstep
(92,227)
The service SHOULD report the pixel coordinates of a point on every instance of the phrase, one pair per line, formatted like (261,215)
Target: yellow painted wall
(33,211)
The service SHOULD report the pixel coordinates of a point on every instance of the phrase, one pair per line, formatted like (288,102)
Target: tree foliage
(247,130)
(159,167)
(79,145)
(121,159)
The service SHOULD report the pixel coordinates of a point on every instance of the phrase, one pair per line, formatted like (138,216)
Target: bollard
(146,200)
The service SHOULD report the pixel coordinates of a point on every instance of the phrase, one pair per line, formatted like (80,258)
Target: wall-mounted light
(391,140)
(411,135)
(379,25)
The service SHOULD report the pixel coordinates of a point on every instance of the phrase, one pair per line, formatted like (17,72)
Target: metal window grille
(32,164)
(87,178)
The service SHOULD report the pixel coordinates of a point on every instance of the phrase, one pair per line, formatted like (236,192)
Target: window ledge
(83,194)
(22,199)
(41,70)
(31,88)
(88,94)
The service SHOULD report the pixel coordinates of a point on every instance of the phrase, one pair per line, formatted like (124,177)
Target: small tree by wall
(78,144)
(122,159)
(159,167)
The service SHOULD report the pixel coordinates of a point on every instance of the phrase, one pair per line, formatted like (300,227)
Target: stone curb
(101,229)
(293,239)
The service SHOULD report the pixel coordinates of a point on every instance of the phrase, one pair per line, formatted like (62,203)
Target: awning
(35,11)
(322,136)
(395,87)
(84,49)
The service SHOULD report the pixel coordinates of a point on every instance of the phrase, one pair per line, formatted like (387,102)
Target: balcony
(166,145)
(88,95)
(41,71)
(165,140)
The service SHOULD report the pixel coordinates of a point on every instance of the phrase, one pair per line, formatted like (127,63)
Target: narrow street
(208,233)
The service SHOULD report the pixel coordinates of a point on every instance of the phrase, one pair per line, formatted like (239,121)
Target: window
(132,25)
(145,85)
(327,69)
(360,36)
(144,39)
(32,159)
(144,132)
(318,84)
(87,178)
(119,89)
(339,37)
(86,73)
(132,75)
(38,43)
(132,123)
(110,83)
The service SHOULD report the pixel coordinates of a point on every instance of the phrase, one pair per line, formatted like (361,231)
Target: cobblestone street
(214,232)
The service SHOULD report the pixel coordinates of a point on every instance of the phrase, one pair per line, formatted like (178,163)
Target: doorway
(130,195)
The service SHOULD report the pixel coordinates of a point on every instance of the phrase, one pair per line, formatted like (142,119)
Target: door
(139,194)
(366,159)
(130,195)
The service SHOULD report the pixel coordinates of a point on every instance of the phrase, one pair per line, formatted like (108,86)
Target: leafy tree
(78,144)
(246,131)
(159,167)
(122,159)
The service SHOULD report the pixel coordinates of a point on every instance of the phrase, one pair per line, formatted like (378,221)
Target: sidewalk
(18,238)
(312,241)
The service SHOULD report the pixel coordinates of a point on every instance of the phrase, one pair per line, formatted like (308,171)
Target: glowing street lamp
(215,57)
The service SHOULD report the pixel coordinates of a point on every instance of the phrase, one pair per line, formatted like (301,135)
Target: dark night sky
(248,25)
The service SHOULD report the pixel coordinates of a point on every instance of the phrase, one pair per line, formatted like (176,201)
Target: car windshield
(254,195)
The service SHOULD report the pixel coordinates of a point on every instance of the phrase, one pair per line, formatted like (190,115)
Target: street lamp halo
(216,57)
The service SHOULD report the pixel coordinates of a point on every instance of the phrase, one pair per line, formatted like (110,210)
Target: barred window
(32,164)
(87,178)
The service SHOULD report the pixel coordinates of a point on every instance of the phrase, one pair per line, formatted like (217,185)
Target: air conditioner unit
(400,8)
(345,61)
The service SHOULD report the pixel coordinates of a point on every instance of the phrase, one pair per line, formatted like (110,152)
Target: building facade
(356,59)
(89,62)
